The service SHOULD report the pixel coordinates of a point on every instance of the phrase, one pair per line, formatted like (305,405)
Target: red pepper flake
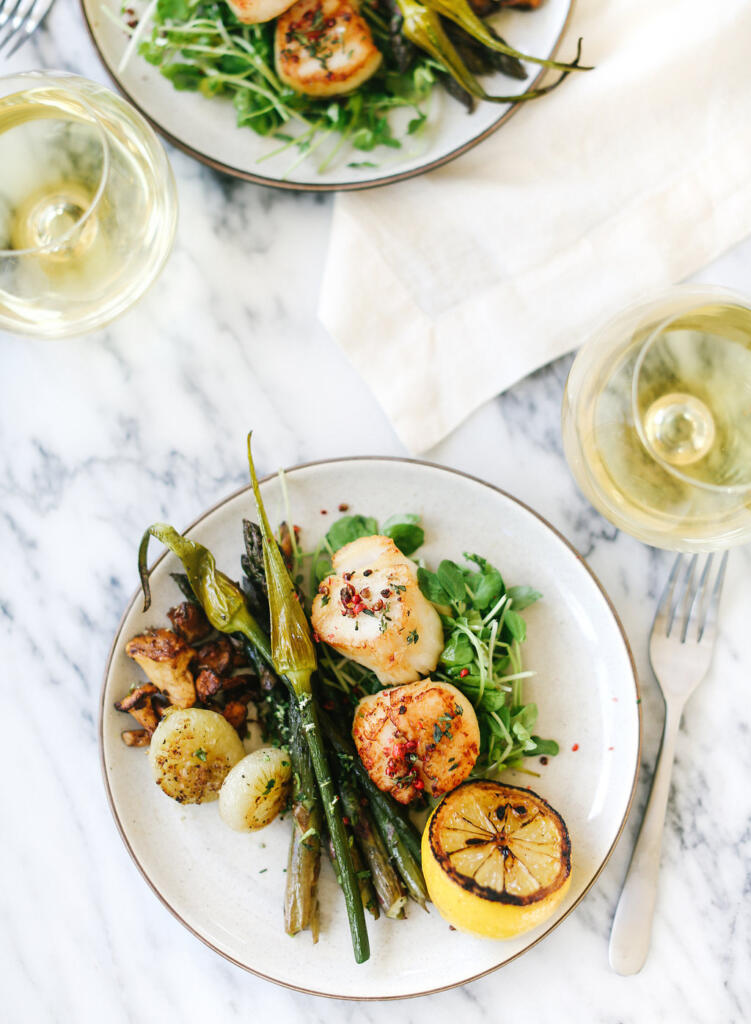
(451,928)
(344,507)
(418,784)
(464,673)
(324,512)
(316,637)
(575,746)
(611,748)
(363,801)
(378,605)
(615,700)
(345,819)
(365,592)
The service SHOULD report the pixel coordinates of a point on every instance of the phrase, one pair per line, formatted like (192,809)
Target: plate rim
(490,970)
(291,186)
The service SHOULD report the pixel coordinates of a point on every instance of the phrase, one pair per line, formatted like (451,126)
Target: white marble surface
(146,420)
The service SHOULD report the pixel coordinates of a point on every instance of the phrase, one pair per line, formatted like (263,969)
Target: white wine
(657,423)
(87,205)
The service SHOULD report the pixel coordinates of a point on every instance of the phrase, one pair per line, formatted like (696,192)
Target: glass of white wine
(88,206)
(657,420)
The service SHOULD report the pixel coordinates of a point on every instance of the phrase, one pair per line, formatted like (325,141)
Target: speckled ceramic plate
(585,687)
(206,128)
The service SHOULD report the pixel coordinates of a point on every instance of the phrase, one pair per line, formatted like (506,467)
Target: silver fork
(18,20)
(680,652)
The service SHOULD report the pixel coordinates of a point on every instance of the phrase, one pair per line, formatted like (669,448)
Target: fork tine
(7,10)
(667,593)
(694,598)
(37,15)
(681,590)
(709,619)
(22,12)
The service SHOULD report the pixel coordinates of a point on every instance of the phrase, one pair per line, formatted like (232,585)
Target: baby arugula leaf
(350,528)
(405,532)
(523,597)
(515,625)
(487,584)
(431,587)
(549,748)
(451,578)
(458,651)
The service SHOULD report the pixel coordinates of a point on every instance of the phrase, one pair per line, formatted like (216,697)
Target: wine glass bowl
(88,205)
(657,420)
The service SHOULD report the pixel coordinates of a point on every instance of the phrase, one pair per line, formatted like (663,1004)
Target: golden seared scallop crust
(373,612)
(191,754)
(496,859)
(420,737)
(324,48)
(253,12)
(374,552)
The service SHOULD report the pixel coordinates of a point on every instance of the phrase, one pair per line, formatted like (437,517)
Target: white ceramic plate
(206,128)
(585,687)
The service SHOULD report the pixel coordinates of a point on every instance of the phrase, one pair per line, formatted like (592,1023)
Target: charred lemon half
(496,859)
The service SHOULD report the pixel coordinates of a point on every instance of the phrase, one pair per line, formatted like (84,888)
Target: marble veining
(146,420)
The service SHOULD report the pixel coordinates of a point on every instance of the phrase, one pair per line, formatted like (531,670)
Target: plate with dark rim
(205,128)
(584,684)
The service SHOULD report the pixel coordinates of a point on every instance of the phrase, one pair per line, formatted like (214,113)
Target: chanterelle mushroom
(189,622)
(140,704)
(164,657)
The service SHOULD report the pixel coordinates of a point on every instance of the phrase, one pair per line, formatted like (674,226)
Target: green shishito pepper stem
(294,658)
(221,599)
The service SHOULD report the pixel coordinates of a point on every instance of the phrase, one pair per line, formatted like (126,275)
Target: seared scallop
(372,611)
(252,12)
(421,737)
(324,48)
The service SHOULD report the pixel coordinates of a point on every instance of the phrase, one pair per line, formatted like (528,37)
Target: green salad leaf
(405,531)
(199,45)
(350,528)
(483,629)
(483,633)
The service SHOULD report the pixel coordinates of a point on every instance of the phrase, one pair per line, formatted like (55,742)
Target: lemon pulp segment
(496,859)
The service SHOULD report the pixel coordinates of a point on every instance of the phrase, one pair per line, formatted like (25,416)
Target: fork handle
(632,924)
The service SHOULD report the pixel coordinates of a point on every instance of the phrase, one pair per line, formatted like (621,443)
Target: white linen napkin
(446,289)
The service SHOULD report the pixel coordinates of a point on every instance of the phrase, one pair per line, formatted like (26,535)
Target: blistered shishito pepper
(290,652)
(459,11)
(422,25)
